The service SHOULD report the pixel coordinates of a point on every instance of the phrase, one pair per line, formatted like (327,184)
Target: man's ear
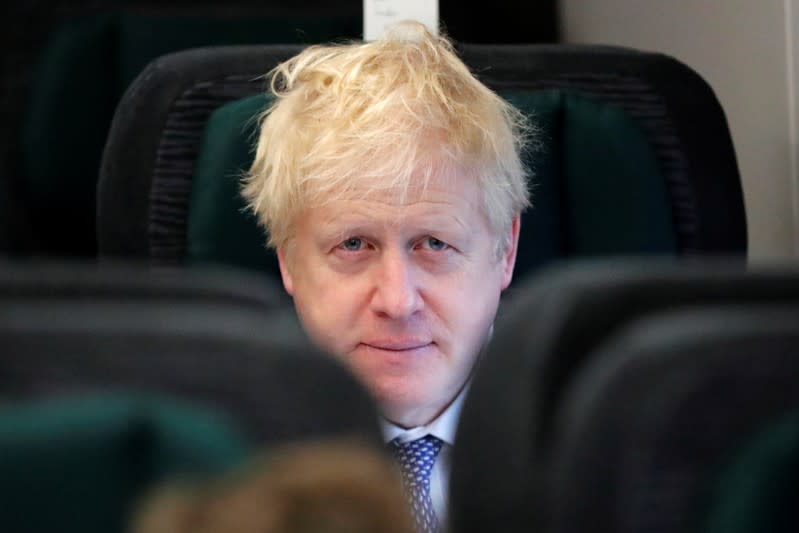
(288,281)
(509,254)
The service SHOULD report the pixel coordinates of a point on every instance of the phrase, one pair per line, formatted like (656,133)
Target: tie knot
(416,458)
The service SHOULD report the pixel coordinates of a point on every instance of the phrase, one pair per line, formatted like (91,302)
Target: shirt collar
(443,426)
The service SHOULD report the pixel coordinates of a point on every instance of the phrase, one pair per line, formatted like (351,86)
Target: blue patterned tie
(416,459)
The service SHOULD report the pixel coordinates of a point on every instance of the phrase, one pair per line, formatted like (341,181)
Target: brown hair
(323,487)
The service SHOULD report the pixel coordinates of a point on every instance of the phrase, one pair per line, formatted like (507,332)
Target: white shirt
(443,427)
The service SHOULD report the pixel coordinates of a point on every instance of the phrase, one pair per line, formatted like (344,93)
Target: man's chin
(399,384)
(406,406)
(397,394)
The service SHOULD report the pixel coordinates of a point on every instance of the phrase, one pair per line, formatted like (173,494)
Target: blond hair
(389,114)
(330,486)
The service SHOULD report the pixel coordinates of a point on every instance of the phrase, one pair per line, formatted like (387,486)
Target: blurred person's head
(320,487)
(391,184)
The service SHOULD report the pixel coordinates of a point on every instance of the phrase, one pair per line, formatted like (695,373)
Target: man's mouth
(397,345)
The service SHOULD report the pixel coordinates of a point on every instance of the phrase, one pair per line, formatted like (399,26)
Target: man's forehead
(452,187)
(386,214)
(396,202)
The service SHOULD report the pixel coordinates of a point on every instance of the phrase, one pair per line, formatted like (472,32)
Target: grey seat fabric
(222,338)
(149,160)
(547,332)
(646,430)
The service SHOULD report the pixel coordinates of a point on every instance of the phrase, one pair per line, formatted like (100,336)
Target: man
(391,183)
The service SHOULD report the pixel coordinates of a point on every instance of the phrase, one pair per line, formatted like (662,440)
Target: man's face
(404,293)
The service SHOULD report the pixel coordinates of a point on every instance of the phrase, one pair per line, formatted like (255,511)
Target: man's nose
(396,293)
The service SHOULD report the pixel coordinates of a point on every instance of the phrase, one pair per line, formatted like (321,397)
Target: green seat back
(597,187)
(82,465)
(220,229)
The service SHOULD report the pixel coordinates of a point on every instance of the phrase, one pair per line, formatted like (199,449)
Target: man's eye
(353,244)
(435,244)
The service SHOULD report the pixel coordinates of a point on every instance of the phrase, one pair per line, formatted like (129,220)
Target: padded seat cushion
(597,187)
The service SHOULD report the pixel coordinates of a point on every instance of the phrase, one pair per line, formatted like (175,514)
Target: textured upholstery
(545,335)
(144,189)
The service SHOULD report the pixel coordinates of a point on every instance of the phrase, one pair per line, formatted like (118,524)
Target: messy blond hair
(389,114)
